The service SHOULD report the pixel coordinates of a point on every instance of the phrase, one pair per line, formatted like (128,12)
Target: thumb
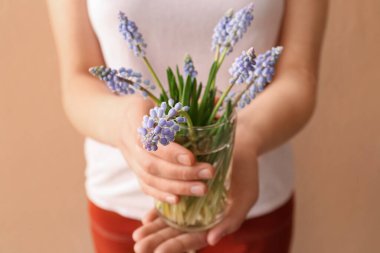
(228,225)
(176,153)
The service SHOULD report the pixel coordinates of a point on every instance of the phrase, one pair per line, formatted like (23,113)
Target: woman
(119,170)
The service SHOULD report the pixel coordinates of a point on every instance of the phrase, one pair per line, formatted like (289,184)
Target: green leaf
(180,83)
(194,102)
(206,94)
(186,91)
(173,88)
(210,105)
(229,109)
(203,116)
(199,91)
(169,82)
(162,98)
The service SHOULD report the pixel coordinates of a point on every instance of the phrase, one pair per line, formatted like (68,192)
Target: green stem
(190,125)
(206,93)
(220,62)
(217,52)
(220,102)
(157,80)
(223,57)
(150,94)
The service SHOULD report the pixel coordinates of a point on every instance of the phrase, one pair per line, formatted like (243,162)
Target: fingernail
(197,190)
(135,236)
(171,199)
(205,174)
(184,159)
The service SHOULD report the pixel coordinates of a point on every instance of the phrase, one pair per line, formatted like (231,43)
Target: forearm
(280,112)
(98,113)
(89,105)
(288,102)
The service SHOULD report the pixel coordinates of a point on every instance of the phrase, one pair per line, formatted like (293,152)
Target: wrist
(247,136)
(132,116)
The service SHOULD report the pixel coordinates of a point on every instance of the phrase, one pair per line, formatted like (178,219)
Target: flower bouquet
(195,115)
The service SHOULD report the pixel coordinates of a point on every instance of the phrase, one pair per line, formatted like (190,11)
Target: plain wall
(42,202)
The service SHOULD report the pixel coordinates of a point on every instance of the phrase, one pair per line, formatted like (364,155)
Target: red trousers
(270,233)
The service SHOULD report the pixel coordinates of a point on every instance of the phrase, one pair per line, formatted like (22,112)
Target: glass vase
(212,144)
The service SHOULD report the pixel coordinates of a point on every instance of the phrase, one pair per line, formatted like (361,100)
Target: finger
(152,241)
(176,154)
(148,229)
(183,243)
(168,170)
(164,169)
(149,190)
(157,194)
(230,223)
(243,194)
(160,167)
(161,186)
(149,217)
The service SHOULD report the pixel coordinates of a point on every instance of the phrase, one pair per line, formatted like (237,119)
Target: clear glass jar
(211,144)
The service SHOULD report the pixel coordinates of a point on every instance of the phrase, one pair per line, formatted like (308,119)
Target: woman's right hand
(114,120)
(166,173)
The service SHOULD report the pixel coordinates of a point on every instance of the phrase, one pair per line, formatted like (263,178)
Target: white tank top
(172,28)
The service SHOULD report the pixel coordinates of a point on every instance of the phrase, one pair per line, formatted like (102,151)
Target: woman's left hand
(156,236)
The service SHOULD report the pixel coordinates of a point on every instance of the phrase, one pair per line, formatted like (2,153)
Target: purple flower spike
(178,106)
(266,63)
(122,81)
(142,131)
(171,102)
(231,28)
(172,112)
(220,35)
(189,67)
(239,24)
(181,119)
(132,35)
(163,106)
(149,84)
(242,68)
(160,127)
(162,122)
(164,141)
(262,75)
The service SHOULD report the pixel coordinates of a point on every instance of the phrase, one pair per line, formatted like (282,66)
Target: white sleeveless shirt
(172,28)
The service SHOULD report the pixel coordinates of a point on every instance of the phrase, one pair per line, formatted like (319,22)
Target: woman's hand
(166,173)
(156,236)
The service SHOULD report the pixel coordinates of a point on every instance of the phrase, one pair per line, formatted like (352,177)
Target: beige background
(42,203)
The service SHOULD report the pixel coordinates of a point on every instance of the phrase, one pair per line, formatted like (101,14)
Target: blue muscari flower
(132,35)
(248,96)
(231,28)
(265,67)
(122,81)
(239,24)
(262,75)
(161,127)
(149,84)
(243,66)
(229,98)
(189,67)
(220,31)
